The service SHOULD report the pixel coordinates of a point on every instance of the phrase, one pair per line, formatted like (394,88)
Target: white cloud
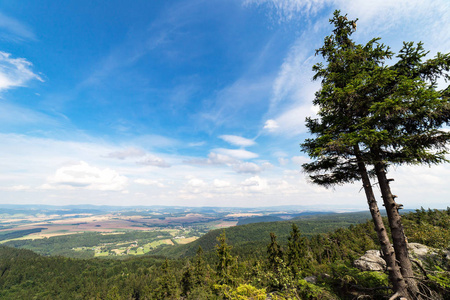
(221,183)
(283,161)
(292,121)
(152,160)
(255,184)
(247,167)
(237,140)
(17,188)
(196,182)
(149,182)
(299,160)
(83,175)
(213,159)
(271,125)
(237,153)
(130,152)
(15,72)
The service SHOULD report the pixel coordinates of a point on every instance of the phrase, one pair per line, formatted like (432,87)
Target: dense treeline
(223,273)
(251,239)
(6,235)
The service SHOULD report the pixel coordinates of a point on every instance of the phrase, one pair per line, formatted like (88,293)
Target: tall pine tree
(373,115)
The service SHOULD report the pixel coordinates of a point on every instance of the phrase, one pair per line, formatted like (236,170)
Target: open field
(113,231)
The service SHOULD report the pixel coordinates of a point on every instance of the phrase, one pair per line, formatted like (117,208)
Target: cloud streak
(15,29)
(286,10)
(237,140)
(152,160)
(130,152)
(236,153)
(15,72)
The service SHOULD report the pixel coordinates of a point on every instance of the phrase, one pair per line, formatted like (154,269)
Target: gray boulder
(311,279)
(420,251)
(370,261)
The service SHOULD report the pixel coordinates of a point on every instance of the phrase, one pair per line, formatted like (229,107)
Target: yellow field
(186,240)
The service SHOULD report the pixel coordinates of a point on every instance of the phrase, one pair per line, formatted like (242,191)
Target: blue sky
(195,103)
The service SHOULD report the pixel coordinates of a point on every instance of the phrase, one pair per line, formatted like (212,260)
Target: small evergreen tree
(297,251)
(225,263)
(200,270)
(188,280)
(274,252)
(167,283)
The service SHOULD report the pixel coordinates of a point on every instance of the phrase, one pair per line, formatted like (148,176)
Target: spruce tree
(167,283)
(187,280)
(225,263)
(297,253)
(199,271)
(274,253)
(371,116)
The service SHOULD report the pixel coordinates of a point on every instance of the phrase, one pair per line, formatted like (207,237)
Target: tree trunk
(398,236)
(395,275)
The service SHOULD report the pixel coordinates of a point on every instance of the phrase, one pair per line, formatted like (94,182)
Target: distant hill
(248,238)
(259,219)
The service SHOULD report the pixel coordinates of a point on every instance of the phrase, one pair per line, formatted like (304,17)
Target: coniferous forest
(316,267)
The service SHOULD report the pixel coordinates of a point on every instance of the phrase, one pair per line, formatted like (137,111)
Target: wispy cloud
(13,115)
(236,153)
(233,161)
(213,159)
(14,30)
(293,89)
(293,83)
(379,17)
(414,20)
(247,168)
(130,152)
(291,122)
(152,160)
(286,10)
(244,95)
(149,182)
(237,140)
(15,72)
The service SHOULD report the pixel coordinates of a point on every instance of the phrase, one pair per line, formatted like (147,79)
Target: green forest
(237,267)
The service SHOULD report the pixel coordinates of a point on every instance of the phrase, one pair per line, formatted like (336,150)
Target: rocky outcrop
(419,251)
(370,261)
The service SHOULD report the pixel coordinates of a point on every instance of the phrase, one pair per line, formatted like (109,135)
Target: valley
(111,232)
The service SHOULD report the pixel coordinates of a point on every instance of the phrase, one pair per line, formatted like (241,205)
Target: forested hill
(273,271)
(251,238)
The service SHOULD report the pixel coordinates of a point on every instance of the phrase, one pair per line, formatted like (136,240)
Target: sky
(187,103)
